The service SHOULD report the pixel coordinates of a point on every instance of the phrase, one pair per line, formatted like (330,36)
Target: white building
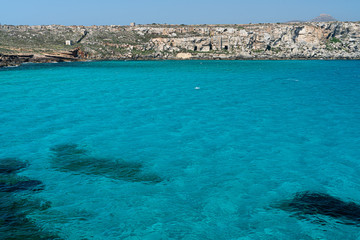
(68,42)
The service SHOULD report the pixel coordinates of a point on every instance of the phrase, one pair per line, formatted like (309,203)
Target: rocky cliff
(332,40)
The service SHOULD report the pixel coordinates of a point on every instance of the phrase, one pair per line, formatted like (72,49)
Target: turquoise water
(208,147)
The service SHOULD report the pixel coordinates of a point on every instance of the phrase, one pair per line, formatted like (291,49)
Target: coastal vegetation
(335,40)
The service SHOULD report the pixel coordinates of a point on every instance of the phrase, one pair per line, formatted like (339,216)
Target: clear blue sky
(122,12)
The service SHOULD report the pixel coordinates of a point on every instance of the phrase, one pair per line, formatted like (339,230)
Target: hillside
(324,18)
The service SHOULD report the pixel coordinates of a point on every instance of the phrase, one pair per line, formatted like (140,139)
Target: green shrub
(334,40)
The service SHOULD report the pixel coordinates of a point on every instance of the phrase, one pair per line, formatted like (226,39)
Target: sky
(122,12)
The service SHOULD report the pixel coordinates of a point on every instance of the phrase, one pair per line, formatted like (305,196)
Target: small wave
(12,66)
(292,79)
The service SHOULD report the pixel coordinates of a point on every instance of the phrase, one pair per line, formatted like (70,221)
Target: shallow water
(225,141)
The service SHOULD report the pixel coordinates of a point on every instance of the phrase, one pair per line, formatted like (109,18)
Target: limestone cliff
(324,40)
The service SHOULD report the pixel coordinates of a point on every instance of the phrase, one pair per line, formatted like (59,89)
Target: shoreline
(20,60)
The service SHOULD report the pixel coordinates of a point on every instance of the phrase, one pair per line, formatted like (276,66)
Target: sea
(180,150)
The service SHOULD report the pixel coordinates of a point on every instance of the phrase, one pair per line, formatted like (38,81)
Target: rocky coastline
(271,41)
(12,60)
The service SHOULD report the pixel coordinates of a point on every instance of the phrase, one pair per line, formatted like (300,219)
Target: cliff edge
(310,40)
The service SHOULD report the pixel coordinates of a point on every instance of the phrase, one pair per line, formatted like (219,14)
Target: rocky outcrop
(13,60)
(7,60)
(310,40)
(266,41)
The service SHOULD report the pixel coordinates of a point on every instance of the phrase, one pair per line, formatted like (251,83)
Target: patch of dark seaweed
(15,183)
(15,208)
(30,185)
(14,221)
(67,150)
(11,165)
(71,158)
(305,205)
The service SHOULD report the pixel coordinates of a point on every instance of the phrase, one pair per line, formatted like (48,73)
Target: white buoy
(197,88)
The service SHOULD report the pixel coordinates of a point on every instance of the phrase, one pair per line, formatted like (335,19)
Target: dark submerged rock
(69,157)
(11,165)
(314,204)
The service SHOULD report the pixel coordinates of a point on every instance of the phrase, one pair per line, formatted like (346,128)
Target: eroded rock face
(12,60)
(270,41)
(184,55)
(308,204)
(310,40)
